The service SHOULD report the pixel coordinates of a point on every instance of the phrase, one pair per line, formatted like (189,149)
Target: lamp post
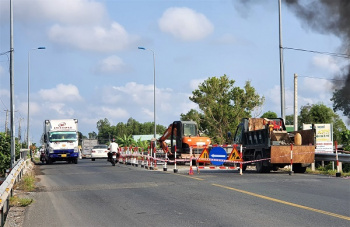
(154,88)
(39,48)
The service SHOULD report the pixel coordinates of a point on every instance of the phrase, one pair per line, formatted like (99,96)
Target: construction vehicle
(183,135)
(266,143)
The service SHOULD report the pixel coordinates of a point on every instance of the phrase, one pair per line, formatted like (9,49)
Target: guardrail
(345,158)
(6,188)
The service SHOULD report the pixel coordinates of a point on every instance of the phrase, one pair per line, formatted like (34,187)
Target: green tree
(223,105)
(341,100)
(194,115)
(5,152)
(321,114)
(269,114)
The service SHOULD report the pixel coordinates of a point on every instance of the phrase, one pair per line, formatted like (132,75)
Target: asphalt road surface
(99,194)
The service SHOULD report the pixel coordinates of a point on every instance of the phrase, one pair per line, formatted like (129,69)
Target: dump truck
(87,145)
(61,140)
(183,135)
(267,145)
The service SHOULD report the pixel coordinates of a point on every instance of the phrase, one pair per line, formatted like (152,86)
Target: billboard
(324,137)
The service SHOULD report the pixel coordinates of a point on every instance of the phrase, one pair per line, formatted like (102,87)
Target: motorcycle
(113,157)
(42,156)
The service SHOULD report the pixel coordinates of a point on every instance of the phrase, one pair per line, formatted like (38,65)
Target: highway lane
(98,194)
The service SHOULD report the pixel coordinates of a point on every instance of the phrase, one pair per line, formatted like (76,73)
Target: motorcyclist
(113,147)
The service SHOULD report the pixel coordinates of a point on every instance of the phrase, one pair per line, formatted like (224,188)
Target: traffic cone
(191,171)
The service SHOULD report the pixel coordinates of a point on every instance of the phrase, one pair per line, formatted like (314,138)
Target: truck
(87,145)
(61,140)
(266,143)
(183,135)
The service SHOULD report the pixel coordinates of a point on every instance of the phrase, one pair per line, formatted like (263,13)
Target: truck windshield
(63,136)
(190,129)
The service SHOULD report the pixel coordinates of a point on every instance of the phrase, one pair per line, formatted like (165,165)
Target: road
(98,194)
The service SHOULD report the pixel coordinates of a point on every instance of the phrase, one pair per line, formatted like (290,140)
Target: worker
(113,147)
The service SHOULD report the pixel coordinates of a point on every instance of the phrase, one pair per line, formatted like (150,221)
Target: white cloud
(116,112)
(315,85)
(185,24)
(92,38)
(111,64)
(64,11)
(326,63)
(61,93)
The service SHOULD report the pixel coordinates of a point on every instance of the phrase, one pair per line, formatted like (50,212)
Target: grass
(327,170)
(20,202)
(27,184)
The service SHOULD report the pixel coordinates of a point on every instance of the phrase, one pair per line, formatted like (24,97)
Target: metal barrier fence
(6,188)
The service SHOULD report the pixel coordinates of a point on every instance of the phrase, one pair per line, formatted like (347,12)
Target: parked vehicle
(61,140)
(267,142)
(99,151)
(182,136)
(87,145)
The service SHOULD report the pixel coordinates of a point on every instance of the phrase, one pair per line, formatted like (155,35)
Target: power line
(319,52)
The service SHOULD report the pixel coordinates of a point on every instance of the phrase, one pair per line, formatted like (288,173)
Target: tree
(194,115)
(223,105)
(269,114)
(341,100)
(321,114)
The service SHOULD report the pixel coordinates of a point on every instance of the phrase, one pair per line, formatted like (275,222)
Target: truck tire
(297,168)
(92,159)
(260,168)
(75,161)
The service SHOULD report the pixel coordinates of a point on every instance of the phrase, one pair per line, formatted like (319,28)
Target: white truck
(87,145)
(61,140)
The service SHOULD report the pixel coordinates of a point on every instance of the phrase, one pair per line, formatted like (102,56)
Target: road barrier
(6,188)
(152,158)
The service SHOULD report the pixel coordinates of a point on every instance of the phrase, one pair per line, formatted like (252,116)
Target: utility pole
(283,115)
(19,130)
(12,93)
(6,121)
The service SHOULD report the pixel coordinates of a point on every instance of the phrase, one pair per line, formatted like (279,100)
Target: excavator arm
(166,136)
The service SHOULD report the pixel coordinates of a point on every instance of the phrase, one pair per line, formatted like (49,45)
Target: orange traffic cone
(191,170)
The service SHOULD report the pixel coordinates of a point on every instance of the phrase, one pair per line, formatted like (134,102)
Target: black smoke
(328,17)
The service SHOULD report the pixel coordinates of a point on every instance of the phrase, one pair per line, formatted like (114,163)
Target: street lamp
(39,48)
(154,88)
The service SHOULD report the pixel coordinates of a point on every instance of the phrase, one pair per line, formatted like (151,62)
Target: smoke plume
(328,17)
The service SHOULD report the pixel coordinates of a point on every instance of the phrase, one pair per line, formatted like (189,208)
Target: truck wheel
(244,167)
(297,168)
(260,168)
(92,159)
(75,161)
(259,165)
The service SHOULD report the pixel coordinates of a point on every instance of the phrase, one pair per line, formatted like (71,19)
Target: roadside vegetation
(328,170)
(27,184)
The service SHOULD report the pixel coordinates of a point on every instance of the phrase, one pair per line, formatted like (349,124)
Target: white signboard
(324,137)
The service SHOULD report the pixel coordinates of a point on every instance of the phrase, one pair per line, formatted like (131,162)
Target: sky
(92,68)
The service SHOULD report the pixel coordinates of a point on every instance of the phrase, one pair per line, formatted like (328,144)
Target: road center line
(285,202)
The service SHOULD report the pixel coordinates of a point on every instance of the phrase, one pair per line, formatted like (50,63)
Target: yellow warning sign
(203,158)
(234,156)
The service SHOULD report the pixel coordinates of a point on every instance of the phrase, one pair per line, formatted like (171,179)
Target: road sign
(204,155)
(217,153)
(234,156)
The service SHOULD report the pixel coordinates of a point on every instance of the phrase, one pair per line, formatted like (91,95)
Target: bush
(5,152)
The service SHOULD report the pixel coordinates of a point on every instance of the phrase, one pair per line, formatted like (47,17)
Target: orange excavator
(182,136)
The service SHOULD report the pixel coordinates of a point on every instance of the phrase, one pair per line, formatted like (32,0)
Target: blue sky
(92,69)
